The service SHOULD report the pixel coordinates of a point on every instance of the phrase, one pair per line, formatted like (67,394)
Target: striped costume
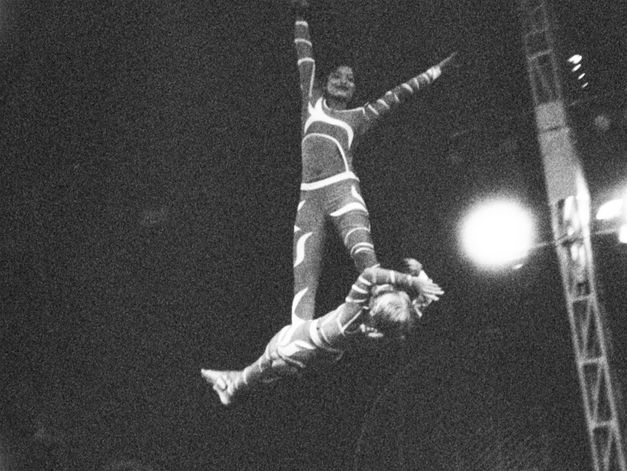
(330,192)
(323,340)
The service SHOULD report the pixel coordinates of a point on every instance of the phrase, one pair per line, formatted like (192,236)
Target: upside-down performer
(381,304)
(329,193)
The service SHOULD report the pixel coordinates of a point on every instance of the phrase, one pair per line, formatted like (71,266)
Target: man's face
(341,84)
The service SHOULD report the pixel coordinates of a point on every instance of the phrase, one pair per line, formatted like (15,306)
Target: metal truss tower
(569,200)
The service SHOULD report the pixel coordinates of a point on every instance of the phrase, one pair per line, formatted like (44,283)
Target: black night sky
(150,175)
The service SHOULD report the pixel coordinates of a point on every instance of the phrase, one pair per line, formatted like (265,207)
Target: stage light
(584,85)
(610,210)
(576,68)
(498,234)
(581,76)
(613,216)
(575,59)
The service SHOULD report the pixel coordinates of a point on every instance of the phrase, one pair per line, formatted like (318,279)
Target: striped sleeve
(304,55)
(401,281)
(401,93)
(360,291)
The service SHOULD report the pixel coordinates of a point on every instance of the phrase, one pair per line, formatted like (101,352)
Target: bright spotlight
(610,210)
(498,234)
(581,76)
(576,68)
(575,59)
(613,214)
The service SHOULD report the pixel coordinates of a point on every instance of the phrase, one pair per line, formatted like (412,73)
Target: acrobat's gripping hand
(429,292)
(425,290)
(450,63)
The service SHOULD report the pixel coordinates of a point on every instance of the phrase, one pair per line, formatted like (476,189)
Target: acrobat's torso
(328,138)
(329,135)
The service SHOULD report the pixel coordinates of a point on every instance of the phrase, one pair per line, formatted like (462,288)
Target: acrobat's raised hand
(451,62)
(299,4)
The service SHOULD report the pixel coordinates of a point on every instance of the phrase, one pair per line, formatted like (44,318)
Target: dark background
(150,173)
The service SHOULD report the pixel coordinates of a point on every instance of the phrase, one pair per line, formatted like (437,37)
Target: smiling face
(340,84)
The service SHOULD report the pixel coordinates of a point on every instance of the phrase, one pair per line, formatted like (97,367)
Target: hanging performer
(330,193)
(381,304)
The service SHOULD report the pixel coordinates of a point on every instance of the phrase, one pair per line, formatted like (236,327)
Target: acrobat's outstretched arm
(403,92)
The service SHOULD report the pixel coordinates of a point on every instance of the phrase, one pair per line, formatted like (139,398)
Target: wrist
(299,7)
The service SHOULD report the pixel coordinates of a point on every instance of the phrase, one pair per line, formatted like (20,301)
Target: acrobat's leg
(285,355)
(309,238)
(231,384)
(352,221)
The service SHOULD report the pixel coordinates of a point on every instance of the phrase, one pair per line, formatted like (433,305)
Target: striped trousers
(333,204)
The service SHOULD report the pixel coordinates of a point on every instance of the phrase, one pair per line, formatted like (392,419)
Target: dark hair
(328,60)
(324,73)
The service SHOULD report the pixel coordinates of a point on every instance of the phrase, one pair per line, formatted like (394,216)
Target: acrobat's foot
(223,383)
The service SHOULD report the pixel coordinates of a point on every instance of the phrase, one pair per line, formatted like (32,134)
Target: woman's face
(341,84)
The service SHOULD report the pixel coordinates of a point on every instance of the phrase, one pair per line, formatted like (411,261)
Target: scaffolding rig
(569,200)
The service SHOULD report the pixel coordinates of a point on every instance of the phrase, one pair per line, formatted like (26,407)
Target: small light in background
(581,76)
(576,68)
(602,122)
(575,59)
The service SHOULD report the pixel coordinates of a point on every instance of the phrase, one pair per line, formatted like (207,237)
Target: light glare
(497,234)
